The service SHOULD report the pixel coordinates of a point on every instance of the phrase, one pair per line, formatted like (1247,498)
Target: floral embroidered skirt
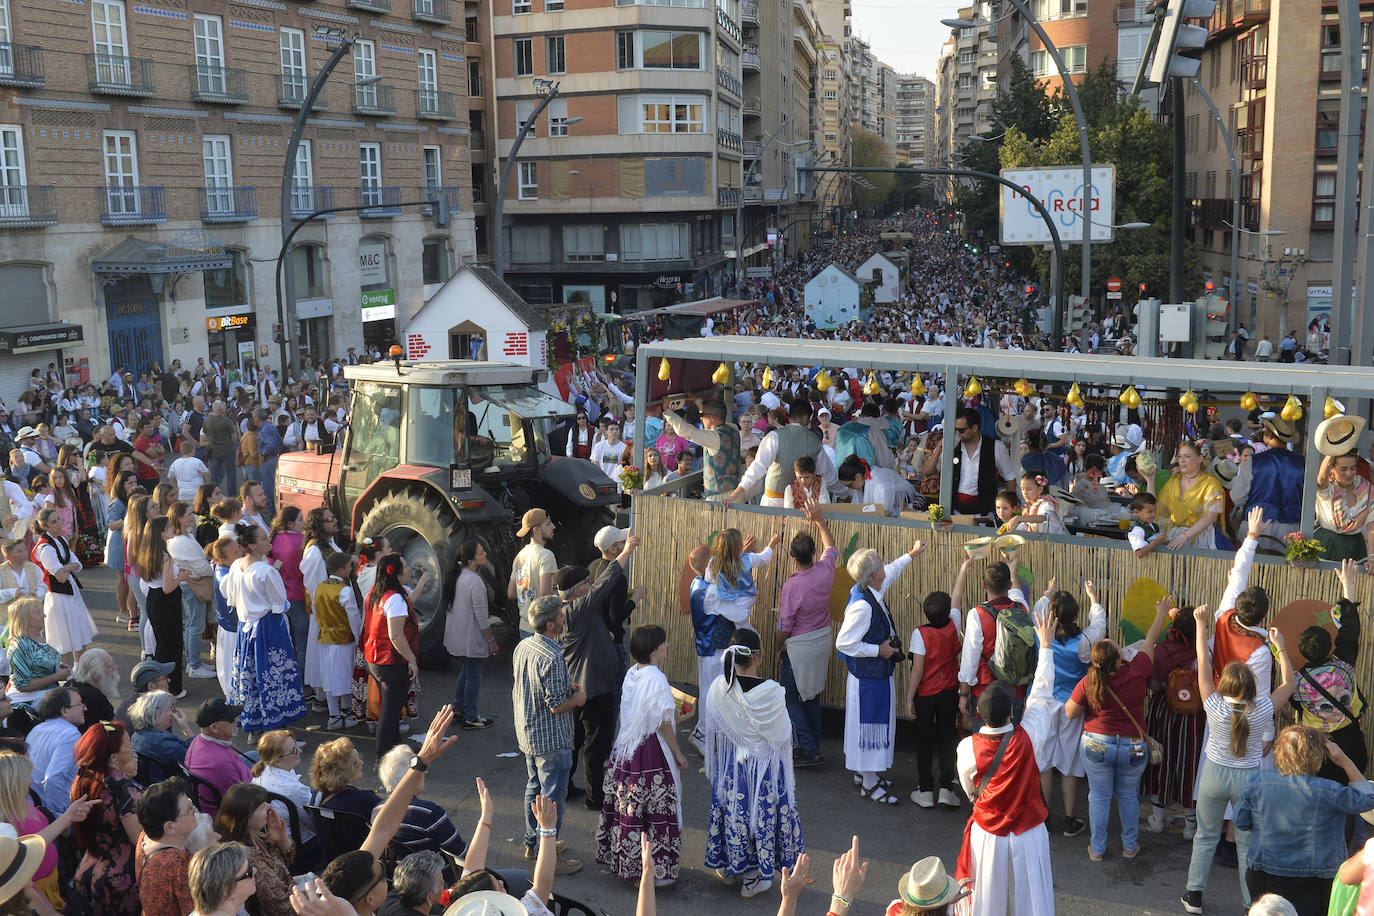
(642,794)
(755,826)
(266,681)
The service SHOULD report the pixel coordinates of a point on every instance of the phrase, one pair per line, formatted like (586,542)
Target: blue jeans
(805,714)
(1115,764)
(192,624)
(1218,785)
(547,776)
(298,622)
(267,476)
(465,694)
(222,473)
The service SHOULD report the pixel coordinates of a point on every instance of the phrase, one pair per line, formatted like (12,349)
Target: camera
(895,642)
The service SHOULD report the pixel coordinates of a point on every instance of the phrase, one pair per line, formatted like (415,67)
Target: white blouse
(254,590)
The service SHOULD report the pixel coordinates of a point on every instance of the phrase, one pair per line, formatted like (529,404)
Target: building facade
(145,150)
(916,103)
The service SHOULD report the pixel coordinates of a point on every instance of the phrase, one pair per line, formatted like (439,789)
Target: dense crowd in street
(113,801)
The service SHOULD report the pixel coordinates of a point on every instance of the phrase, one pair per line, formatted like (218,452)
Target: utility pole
(1179,213)
(1347,180)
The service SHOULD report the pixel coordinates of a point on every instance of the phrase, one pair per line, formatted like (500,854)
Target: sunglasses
(251,873)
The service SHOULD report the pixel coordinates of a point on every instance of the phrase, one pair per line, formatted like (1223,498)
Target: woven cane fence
(671,527)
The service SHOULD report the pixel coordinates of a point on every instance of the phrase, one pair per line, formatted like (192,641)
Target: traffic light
(277,334)
(1209,322)
(1078,314)
(1143,288)
(1175,36)
(1209,287)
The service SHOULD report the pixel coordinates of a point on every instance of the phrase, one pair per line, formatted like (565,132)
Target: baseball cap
(995,703)
(569,577)
(216,710)
(609,536)
(147,671)
(531,520)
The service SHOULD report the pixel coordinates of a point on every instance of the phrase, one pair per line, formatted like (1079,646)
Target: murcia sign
(1061,191)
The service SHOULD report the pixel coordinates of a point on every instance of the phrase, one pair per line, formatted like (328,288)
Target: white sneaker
(1189,827)
(755,886)
(201,671)
(947,797)
(923,799)
(1155,823)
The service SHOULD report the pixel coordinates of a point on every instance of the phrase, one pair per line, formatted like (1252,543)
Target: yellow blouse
(1184,509)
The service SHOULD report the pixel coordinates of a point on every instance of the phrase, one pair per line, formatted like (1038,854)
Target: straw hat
(1339,434)
(1010,543)
(486,903)
(19,859)
(978,548)
(928,885)
(1225,470)
(1282,429)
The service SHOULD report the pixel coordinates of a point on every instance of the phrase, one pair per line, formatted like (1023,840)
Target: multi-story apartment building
(945,80)
(1273,67)
(916,105)
(968,79)
(887,106)
(143,162)
(834,121)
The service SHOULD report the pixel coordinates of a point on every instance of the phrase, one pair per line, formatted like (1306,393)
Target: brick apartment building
(140,176)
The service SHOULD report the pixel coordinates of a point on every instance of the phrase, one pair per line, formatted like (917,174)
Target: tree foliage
(868,151)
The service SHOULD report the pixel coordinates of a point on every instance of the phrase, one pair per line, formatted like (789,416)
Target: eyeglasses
(961,429)
(251,873)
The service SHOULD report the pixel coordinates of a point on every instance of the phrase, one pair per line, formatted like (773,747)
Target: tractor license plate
(460,478)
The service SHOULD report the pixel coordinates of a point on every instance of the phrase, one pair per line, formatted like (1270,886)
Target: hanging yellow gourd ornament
(722,375)
(918,387)
(1248,401)
(973,388)
(1292,409)
(823,382)
(1332,408)
(1075,397)
(871,386)
(665,371)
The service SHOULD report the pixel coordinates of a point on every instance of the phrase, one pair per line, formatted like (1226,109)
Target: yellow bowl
(978,548)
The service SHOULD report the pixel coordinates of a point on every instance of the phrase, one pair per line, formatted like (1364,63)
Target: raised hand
(848,875)
(795,878)
(1044,628)
(1258,525)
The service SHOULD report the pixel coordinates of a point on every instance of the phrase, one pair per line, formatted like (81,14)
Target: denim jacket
(1297,823)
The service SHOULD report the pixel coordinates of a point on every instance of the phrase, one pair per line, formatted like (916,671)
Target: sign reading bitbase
(1061,191)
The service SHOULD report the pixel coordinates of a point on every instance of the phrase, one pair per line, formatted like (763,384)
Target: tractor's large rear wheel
(422,528)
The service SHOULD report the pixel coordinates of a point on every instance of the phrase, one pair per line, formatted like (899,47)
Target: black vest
(987,474)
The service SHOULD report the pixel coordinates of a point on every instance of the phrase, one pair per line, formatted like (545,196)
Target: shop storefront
(377,294)
(39,346)
(232,336)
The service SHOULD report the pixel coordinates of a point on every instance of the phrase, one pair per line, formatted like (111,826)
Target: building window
(13,183)
(669,50)
(293,79)
(303,180)
(209,46)
(364,73)
(624,50)
(558,117)
(524,57)
(219,176)
(529,245)
(831,95)
(832,74)
(370,172)
(520,7)
(121,172)
(1048,10)
(1075,61)
(829,138)
(529,181)
(654,242)
(427,63)
(672,115)
(554,54)
(433,170)
(474,78)
(553,6)
(229,286)
(434,260)
(584,243)
(1324,197)
(110,40)
(307,267)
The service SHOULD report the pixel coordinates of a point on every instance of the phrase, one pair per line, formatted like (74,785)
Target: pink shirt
(287,547)
(218,764)
(805,602)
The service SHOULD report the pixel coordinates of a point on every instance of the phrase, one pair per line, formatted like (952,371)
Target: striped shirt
(1219,731)
(541,683)
(427,826)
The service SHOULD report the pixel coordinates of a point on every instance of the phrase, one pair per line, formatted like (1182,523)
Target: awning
(35,337)
(133,257)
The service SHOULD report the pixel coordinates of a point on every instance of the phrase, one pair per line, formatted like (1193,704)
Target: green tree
(1024,105)
(868,151)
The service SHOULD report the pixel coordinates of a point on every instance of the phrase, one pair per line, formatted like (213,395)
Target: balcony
(132,205)
(728,139)
(749,12)
(727,25)
(112,74)
(477,140)
(292,89)
(1210,213)
(374,99)
(28,206)
(471,30)
(727,197)
(800,39)
(228,205)
(753,195)
(752,106)
(434,105)
(1254,71)
(751,149)
(306,199)
(369,6)
(218,85)
(21,65)
(454,196)
(749,59)
(435,11)
(729,83)
(381,202)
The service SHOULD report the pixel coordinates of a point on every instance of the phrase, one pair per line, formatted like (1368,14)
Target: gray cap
(147,671)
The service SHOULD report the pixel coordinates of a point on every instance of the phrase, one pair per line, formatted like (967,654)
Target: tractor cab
(495,430)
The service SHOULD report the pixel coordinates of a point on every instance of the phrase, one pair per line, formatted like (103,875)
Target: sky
(906,36)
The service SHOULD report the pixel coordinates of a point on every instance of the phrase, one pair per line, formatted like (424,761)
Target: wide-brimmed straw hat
(928,885)
(1339,434)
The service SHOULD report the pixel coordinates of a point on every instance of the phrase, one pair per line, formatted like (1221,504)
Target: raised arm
(1157,626)
(1204,654)
(956,595)
(1287,680)
(1245,558)
(476,856)
(389,816)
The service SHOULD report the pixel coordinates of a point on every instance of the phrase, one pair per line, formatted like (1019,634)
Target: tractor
(437,452)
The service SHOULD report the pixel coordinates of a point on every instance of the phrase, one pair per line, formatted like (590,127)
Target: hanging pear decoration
(1075,397)
(1188,401)
(823,381)
(973,388)
(871,386)
(767,378)
(1248,401)
(918,387)
(1132,397)
(1292,409)
(665,371)
(1332,408)
(722,375)
(1023,387)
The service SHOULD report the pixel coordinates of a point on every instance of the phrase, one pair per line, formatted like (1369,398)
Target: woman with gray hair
(221,880)
(154,722)
(426,825)
(419,882)
(869,644)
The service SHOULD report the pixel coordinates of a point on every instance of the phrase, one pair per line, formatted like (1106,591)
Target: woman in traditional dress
(1344,527)
(867,642)
(67,622)
(318,547)
(643,777)
(1193,501)
(119,490)
(87,538)
(105,884)
(754,825)
(1179,733)
(20,577)
(266,680)
(391,645)
(1042,510)
(731,575)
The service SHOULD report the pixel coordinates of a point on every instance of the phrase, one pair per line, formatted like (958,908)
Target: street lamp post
(1233,313)
(739,204)
(286,305)
(1085,203)
(1262,233)
(549,91)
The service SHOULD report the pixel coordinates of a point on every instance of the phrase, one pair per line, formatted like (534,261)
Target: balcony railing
(292,88)
(729,83)
(454,197)
(222,85)
(369,6)
(727,197)
(752,105)
(729,139)
(381,201)
(477,140)
(749,59)
(306,198)
(132,205)
(112,74)
(753,194)
(803,41)
(21,65)
(434,105)
(727,25)
(749,12)
(751,149)
(435,11)
(374,99)
(228,205)
(27,206)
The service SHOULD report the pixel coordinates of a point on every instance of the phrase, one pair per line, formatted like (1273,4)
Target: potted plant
(1300,550)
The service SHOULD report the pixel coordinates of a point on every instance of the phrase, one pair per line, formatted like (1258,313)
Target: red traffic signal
(1030,290)
(1142,289)
(1209,286)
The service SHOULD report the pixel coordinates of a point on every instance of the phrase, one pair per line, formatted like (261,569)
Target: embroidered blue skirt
(267,680)
(754,826)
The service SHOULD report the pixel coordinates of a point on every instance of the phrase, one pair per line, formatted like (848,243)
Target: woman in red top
(1111,700)
(288,543)
(391,645)
(161,861)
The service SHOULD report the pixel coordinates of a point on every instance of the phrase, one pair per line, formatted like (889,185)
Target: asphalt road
(890,838)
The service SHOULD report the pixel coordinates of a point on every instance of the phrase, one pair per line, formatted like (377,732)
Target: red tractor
(438,452)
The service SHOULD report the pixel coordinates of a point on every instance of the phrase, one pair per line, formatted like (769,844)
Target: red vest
(377,646)
(1233,643)
(1010,803)
(989,622)
(941,671)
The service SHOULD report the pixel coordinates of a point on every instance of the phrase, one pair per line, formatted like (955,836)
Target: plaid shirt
(541,683)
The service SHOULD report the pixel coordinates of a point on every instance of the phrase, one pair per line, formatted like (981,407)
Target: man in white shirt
(531,574)
(254,499)
(188,472)
(51,746)
(310,428)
